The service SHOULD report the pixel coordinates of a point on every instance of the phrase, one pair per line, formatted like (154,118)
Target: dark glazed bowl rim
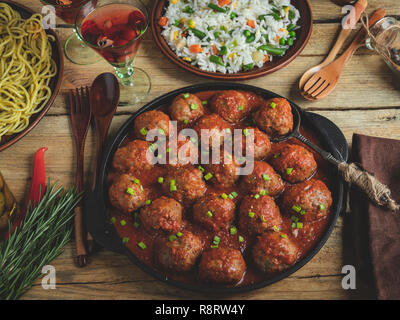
(55,83)
(104,232)
(306,21)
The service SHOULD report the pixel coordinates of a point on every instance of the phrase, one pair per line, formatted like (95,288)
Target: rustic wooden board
(367,101)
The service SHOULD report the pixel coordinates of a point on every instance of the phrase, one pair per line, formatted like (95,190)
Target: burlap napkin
(373,234)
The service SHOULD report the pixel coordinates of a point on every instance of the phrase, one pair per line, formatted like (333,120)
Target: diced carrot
(195,48)
(266,59)
(163,21)
(224,2)
(278,38)
(251,23)
(214,49)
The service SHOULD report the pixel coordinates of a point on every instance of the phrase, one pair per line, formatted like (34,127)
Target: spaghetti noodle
(26,69)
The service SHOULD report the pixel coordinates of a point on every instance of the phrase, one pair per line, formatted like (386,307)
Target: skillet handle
(99,225)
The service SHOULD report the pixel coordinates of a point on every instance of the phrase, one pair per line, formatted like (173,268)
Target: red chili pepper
(37,188)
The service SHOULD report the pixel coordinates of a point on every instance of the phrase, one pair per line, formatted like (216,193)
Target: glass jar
(8,206)
(384,38)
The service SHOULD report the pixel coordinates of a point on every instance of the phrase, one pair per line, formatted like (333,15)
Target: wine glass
(115,29)
(74,49)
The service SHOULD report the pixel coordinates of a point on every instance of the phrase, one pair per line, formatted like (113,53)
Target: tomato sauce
(304,238)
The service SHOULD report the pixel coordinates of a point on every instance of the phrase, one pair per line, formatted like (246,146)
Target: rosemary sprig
(40,238)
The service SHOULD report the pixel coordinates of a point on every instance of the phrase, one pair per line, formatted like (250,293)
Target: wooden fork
(80,120)
(324,81)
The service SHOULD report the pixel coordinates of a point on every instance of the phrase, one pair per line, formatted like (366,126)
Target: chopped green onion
(201,168)
(283,236)
(148,202)
(234,194)
(214,246)
(296,208)
(209,214)
(293,225)
(251,214)
(186,121)
(204,102)
(161,131)
(216,240)
(136,224)
(179,234)
(186,95)
(142,245)
(160,180)
(172,237)
(289,171)
(208,176)
(125,240)
(130,191)
(143,131)
(275,228)
(224,196)
(264,192)
(123,223)
(246,132)
(263,218)
(241,239)
(194,106)
(266,177)
(232,231)
(172,188)
(256,196)
(299,225)
(303,212)
(277,155)
(294,218)
(322,207)
(113,219)
(273,105)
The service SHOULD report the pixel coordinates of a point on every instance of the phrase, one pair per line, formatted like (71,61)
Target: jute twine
(382,50)
(378,192)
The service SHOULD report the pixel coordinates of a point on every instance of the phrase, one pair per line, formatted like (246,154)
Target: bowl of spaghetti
(31,68)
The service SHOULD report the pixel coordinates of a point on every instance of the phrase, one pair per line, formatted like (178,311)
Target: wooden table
(366,101)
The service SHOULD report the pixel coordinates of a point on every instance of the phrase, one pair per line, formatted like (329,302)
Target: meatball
(186,108)
(261,146)
(162,214)
(218,129)
(310,199)
(133,156)
(126,193)
(150,120)
(184,184)
(263,177)
(231,105)
(259,214)
(214,212)
(222,265)
(275,117)
(225,173)
(179,254)
(295,163)
(274,252)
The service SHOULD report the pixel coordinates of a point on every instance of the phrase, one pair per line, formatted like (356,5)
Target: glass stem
(125,75)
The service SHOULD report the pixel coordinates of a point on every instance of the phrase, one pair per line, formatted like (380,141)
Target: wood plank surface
(367,101)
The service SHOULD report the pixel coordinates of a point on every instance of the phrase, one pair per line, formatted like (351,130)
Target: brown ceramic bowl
(55,83)
(305,22)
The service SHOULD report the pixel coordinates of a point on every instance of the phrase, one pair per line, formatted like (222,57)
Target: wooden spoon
(104,99)
(359,7)
(326,80)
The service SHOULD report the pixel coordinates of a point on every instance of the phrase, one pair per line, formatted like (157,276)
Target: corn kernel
(191,23)
(176,35)
(235,5)
(182,21)
(187,59)
(174,1)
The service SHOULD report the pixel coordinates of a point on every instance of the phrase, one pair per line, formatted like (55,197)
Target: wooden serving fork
(80,120)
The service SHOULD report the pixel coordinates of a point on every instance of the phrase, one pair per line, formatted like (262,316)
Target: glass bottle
(384,38)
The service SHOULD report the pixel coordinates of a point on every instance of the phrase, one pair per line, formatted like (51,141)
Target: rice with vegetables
(229,36)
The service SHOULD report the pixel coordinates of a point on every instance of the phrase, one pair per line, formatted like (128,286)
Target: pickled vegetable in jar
(8,206)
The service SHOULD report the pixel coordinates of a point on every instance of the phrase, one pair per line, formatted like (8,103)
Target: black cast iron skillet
(98,219)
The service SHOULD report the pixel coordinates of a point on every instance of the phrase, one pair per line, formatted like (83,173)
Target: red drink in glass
(114,31)
(68,9)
